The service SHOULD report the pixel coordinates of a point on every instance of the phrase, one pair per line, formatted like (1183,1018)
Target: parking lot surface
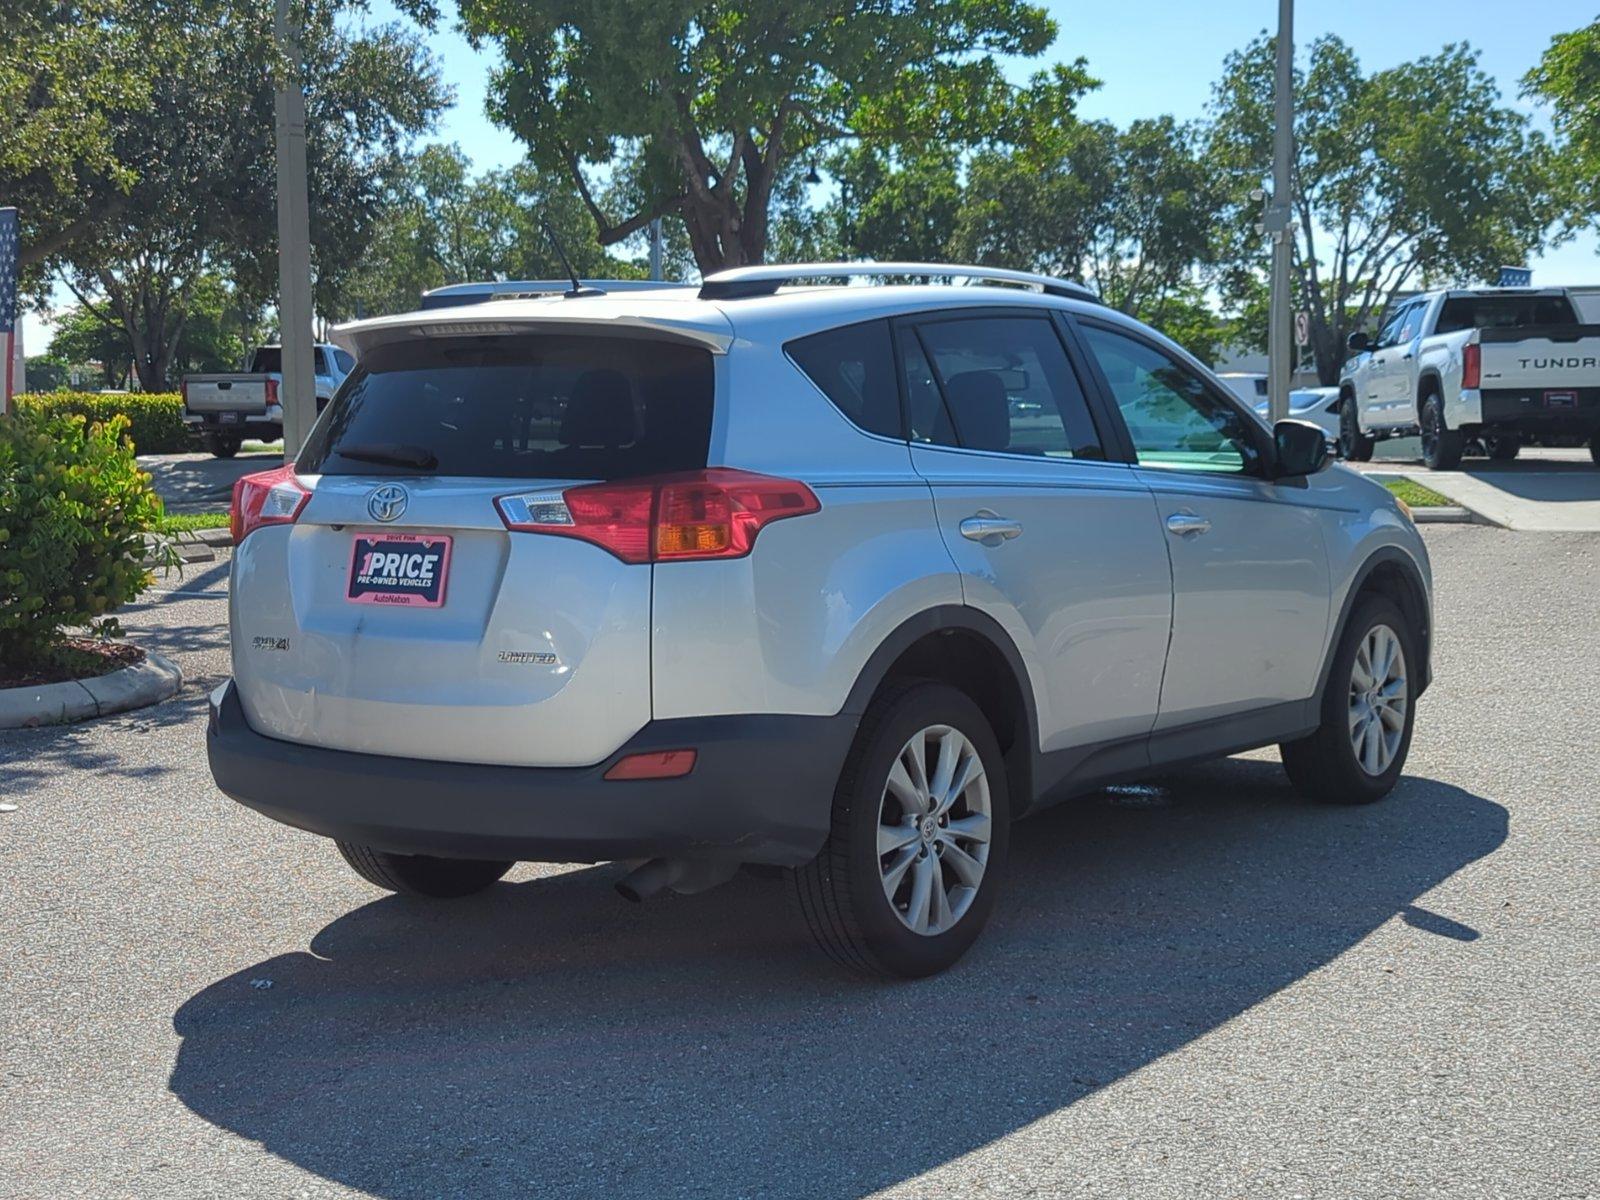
(1543,491)
(1208,987)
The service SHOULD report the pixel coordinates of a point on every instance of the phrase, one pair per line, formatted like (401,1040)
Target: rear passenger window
(854,367)
(519,407)
(1006,384)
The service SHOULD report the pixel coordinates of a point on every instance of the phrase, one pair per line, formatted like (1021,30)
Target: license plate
(228,418)
(408,569)
(1561,399)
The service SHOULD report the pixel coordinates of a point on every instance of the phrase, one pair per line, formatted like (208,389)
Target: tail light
(715,513)
(1471,364)
(657,764)
(266,498)
(272,392)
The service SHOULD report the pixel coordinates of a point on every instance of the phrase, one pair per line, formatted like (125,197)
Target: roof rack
(743,282)
(525,289)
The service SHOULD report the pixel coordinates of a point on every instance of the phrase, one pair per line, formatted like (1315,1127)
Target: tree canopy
(190,188)
(701,104)
(1568,79)
(1412,174)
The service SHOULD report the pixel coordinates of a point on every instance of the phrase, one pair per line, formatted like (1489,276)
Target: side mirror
(1302,448)
(1359,341)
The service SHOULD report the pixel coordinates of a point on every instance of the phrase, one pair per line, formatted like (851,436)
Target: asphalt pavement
(1544,490)
(1204,988)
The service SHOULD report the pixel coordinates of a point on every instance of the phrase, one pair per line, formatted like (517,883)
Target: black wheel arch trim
(1023,756)
(1384,555)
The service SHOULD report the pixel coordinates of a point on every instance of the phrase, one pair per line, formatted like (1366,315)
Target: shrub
(74,507)
(155,419)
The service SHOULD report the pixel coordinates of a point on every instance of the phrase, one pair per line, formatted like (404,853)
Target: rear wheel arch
(970,651)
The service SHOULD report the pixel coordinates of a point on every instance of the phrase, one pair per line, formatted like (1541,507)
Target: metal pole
(1279,218)
(298,391)
(655,249)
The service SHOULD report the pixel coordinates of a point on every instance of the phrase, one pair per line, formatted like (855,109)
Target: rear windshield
(268,361)
(1503,312)
(534,407)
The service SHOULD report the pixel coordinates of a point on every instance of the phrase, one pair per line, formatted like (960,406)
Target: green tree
(703,103)
(1413,174)
(1568,79)
(69,71)
(440,225)
(202,197)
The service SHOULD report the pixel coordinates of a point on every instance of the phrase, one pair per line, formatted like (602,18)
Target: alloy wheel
(1378,699)
(934,828)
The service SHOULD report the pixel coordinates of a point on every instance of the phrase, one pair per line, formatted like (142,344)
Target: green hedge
(155,419)
(74,509)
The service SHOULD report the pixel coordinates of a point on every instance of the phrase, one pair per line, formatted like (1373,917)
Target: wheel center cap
(929,829)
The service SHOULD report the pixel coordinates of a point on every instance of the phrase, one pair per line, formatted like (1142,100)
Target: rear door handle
(1182,524)
(990,529)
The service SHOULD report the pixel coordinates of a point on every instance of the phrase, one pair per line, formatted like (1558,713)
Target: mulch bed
(78,658)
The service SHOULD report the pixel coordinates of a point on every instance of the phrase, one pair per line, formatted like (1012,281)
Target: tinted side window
(1008,385)
(1173,418)
(319,363)
(345,363)
(522,407)
(854,367)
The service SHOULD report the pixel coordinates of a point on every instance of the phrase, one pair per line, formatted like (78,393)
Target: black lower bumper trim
(761,792)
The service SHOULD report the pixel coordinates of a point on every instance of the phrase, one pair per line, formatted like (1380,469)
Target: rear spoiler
(664,319)
(527,289)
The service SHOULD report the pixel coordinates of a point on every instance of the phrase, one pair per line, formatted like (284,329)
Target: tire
(842,892)
(1503,448)
(422,874)
(1353,445)
(1326,765)
(1441,446)
(223,445)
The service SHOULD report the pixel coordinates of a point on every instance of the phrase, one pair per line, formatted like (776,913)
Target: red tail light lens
(272,392)
(656,764)
(266,498)
(1471,364)
(715,513)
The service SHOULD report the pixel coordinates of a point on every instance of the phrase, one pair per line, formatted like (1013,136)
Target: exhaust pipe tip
(647,880)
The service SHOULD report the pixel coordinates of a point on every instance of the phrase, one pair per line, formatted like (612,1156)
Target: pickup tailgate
(1541,358)
(226,393)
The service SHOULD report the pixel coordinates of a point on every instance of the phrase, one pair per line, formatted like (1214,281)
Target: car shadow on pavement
(547,1038)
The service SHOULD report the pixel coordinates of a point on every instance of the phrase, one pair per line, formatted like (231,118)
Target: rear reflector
(1471,364)
(266,498)
(715,513)
(657,764)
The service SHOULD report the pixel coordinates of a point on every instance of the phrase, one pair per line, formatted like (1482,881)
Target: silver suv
(837,581)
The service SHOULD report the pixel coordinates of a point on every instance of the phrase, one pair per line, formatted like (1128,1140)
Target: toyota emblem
(387,503)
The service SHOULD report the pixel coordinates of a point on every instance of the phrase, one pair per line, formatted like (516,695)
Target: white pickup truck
(226,409)
(1495,365)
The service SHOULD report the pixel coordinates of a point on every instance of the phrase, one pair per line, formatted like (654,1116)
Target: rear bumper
(761,791)
(1557,410)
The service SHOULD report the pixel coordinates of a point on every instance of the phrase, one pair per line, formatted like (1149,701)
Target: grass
(189,522)
(1416,495)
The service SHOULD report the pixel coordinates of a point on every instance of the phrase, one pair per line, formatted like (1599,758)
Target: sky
(1161,56)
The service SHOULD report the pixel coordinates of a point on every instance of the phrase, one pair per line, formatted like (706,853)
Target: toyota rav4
(835,581)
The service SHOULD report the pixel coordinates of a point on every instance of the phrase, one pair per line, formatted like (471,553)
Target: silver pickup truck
(226,409)
(1494,365)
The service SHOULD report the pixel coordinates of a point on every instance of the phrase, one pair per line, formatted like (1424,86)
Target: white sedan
(1319,405)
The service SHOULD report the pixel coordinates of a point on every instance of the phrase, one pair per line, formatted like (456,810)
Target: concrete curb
(147,682)
(1446,514)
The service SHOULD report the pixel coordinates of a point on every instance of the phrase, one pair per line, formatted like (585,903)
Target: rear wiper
(390,454)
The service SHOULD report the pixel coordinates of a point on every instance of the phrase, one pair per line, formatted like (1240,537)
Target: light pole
(1279,219)
(298,390)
